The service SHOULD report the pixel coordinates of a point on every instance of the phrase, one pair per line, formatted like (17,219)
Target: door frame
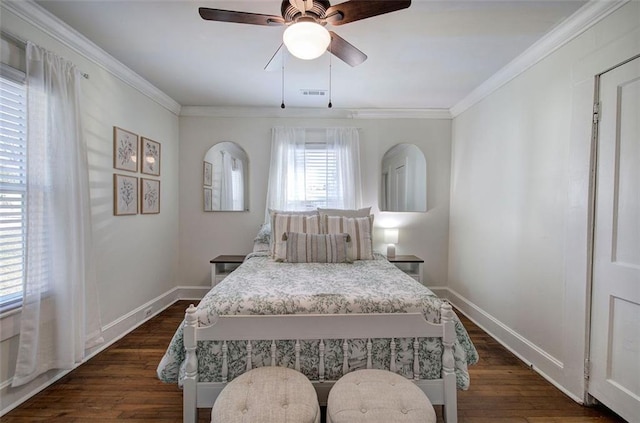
(593,169)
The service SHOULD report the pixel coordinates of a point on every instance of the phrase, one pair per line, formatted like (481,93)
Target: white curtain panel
(226,186)
(238,185)
(345,143)
(60,316)
(286,188)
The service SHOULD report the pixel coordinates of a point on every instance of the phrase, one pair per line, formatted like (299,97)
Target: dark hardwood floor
(120,384)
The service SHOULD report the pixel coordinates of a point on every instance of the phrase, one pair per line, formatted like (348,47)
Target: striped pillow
(282,223)
(358,228)
(312,248)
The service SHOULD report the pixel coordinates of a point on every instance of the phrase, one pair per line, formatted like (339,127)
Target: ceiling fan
(306,36)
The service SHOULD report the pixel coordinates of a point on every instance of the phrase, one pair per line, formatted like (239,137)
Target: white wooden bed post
(190,384)
(448,363)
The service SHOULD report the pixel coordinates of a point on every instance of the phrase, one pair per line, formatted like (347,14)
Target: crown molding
(317,113)
(583,19)
(54,27)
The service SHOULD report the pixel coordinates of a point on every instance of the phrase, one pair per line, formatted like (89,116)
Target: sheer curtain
(60,316)
(226,182)
(345,143)
(286,174)
(287,177)
(237,169)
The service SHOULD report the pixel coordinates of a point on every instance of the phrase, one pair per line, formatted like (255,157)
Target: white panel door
(615,320)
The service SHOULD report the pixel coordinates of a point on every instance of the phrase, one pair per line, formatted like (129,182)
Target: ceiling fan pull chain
(282,104)
(330,63)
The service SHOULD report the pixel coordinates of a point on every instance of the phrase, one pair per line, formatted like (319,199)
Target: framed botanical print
(208,198)
(125,150)
(207,174)
(125,195)
(150,161)
(149,196)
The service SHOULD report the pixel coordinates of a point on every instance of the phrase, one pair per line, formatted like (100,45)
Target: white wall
(519,201)
(136,256)
(203,236)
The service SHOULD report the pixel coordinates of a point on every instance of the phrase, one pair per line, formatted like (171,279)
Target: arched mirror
(404,179)
(225,178)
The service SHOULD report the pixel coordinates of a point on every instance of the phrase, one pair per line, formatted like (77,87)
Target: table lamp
(391,238)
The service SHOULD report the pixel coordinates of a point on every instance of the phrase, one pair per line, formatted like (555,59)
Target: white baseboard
(111,332)
(533,356)
(440,291)
(192,292)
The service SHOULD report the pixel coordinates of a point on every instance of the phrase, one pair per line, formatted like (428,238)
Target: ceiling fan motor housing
(290,13)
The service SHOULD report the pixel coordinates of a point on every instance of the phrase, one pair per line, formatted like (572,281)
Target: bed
(306,316)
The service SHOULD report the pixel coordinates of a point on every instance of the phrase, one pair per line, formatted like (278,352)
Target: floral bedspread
(263,286)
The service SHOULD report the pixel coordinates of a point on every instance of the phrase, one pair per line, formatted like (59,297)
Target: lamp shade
(390,236)
(306,40)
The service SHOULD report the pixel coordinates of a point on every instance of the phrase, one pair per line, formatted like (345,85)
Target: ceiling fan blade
(356,10)
(277,60)
(345,51)
(239,17)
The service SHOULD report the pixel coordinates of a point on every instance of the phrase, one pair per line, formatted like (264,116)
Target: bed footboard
(321,327)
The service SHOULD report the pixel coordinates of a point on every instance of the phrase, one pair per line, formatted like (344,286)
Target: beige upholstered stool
(267,395)
(377,396)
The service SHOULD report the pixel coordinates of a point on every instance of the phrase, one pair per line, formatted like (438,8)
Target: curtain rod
(22,43)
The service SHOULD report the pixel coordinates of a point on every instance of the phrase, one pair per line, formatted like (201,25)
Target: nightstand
(409,264)
(221,266)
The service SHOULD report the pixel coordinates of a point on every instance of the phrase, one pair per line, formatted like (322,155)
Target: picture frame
(207,174)
(125,150)
(150,157)
(208,199)
(149,196)
(125,195)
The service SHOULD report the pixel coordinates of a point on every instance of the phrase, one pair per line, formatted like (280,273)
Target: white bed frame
(312,327)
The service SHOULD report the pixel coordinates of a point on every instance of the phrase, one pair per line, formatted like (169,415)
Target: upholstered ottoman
(377,396)
(267,395)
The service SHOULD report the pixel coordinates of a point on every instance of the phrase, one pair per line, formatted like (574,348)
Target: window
(318,187)
(313,168)
(13,182)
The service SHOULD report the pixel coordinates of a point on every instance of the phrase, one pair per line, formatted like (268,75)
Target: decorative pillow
(282,223)
(312,248)
(358,228)
(273,213)
(365,212)
(264,234)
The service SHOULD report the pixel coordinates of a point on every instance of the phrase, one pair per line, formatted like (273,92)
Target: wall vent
(314,92)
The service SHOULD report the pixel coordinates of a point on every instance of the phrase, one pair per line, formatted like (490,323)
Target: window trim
(10,323)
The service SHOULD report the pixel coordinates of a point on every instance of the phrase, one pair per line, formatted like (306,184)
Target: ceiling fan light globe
(306,40)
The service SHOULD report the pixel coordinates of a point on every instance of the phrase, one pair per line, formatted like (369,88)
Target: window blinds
(13,179)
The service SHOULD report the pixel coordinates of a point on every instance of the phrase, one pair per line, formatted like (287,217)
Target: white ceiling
(430,55)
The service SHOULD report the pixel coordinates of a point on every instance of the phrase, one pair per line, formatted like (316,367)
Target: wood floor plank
(120,384)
